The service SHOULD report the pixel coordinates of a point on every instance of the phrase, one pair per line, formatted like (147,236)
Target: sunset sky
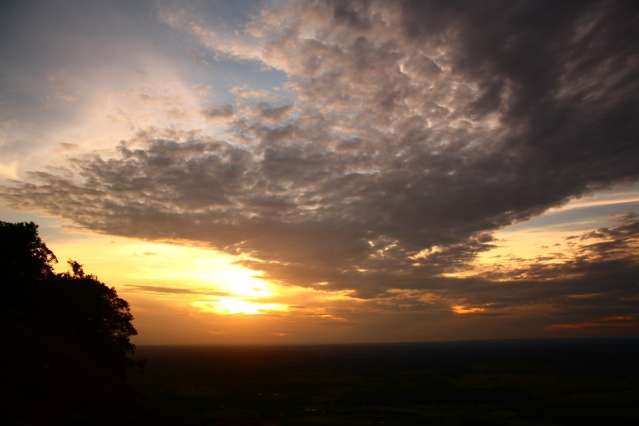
(322,171)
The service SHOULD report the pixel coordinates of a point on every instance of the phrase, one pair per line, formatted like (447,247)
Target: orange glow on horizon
(192,279)
(610,321)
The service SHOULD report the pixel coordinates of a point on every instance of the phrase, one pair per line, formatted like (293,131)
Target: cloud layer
(415,130)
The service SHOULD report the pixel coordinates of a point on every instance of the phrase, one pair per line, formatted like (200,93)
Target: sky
(280,172)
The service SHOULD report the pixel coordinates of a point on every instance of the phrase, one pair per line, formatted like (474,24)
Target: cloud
(171,290)
(222,42)
(219,113)
(612,321)
(594,292)
(416,130)
(67,146)
(242,92)
(274,113)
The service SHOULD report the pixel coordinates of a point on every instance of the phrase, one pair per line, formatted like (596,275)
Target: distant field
(487,383)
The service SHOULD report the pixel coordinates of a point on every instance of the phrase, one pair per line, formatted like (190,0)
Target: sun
(234,280)
(245,292)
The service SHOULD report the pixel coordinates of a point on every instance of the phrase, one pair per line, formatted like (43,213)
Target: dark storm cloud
(417,129)
(568,71)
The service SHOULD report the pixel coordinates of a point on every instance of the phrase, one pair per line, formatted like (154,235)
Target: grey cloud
(67,146)
(220,112)
(171,290)
(270,112)
(600,281)
(595,291)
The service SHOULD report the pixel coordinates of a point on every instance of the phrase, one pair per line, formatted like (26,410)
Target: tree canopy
(73,304)
(23,255)
(68,333)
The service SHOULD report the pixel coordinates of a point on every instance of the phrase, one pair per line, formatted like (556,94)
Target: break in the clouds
(405,134)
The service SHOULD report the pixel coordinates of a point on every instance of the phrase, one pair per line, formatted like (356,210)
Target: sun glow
(199,277)
(234,306)
(245,293)
(237,281)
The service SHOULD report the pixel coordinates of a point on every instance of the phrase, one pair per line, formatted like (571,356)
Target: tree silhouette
(67,334)
(23,255)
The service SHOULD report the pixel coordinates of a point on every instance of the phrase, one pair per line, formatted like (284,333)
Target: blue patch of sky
(80,39)
(580,218)
(222,71)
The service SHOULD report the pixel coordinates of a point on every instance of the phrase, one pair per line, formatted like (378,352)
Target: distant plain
(574,382)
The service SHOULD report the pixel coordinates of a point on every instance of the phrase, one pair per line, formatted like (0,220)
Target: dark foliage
(68,336)
(23,255)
